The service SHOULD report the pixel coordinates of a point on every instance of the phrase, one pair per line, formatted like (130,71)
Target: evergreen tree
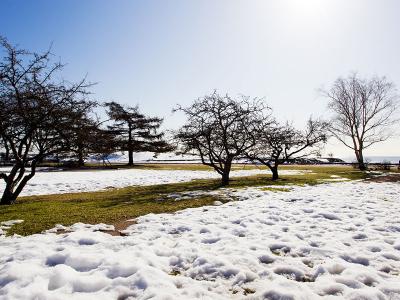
(136,132)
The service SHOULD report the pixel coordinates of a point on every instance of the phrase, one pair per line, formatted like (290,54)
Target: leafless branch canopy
(364,111)
(221,128)
(36,112)
(278,144)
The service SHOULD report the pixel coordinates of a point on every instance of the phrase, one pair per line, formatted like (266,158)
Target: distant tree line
(43,117)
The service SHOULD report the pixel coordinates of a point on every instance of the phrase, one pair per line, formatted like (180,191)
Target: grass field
(43,212)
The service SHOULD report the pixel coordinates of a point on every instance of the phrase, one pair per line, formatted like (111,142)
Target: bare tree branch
(364,112)
(220,129)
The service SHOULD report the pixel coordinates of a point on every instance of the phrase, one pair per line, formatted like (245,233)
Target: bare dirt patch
(119,227)
(385,178)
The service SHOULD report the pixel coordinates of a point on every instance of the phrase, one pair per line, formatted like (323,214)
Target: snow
(330,241)
(57,182)
(7,224)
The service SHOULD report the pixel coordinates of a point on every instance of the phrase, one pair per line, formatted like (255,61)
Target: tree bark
(360,160)
(273,167)
(8,193)
(130,155)
(15,184)
(225,179)
(130,145)
(274,170)
(225,174)
(7,197)
(81,161)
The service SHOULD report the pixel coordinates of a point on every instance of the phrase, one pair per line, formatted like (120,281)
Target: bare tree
(84,135)
(36,113)
(277,144)
(103,144)
(136,131)
(220,129)
(364,112)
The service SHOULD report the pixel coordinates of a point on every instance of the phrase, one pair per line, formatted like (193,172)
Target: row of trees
(42,116)
(221,129)
(125,129)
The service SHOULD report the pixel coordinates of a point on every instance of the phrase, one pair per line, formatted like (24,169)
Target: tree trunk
(273,167)
(130,155)
(15,184)
(360,160)
(130,145)
(8,196)
(225,179)
(41,158)
(81,161)
(274,170)
(8,193)
(225,174)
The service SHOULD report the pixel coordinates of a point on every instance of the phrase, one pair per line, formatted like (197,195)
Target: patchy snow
(331,241)
(335,178)
(4,226)
(57,182)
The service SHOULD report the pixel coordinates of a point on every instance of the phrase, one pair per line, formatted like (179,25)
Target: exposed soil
(385,178)
(120,226)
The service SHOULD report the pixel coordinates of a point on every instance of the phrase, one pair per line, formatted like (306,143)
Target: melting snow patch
(57,182)
(4,226)
(323,245)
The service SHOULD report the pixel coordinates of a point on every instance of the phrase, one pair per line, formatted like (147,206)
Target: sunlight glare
(305,7)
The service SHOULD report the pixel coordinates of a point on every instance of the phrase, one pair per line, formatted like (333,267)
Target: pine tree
(136,132)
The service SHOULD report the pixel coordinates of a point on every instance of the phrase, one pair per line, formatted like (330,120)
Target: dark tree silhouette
(136,132)
(277,144)
(84,135)
(220,129)
(364,112)
(36,113)
(103,144)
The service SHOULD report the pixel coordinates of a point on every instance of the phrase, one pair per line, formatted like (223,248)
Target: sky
(158,54)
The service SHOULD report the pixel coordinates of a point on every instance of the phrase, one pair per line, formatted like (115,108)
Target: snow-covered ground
(331,241)
(57,182)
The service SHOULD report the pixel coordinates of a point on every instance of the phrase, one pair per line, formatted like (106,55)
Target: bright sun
(306,7)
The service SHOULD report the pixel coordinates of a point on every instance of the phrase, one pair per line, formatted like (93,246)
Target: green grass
(43,212)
